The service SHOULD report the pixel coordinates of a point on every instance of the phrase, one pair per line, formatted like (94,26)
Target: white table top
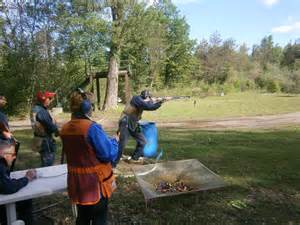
(50,179)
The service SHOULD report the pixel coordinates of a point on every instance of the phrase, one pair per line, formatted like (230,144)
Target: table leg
(11,213)
(74,210)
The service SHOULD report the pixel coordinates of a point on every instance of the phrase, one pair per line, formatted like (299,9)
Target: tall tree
(178,63)
(291,56)
(267,53)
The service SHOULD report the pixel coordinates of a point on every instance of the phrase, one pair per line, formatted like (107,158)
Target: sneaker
(124,157)
(140,160)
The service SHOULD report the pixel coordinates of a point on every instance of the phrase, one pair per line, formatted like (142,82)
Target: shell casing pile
(177,186)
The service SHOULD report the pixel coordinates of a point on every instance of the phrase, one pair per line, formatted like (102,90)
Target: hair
(77,99)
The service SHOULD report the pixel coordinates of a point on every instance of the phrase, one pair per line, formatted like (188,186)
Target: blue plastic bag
(150,132)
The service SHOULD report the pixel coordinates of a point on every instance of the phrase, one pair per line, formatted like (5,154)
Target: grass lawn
(261,168)
(231,105)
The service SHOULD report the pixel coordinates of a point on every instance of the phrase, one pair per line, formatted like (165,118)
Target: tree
(291,56)
(178,63)
(216,58)
(266,53)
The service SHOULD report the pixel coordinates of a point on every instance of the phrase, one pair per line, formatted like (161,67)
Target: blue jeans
(137,134)
(47,158)
(47,152)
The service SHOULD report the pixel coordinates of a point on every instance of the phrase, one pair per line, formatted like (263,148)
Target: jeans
(47,152)
(47,158)
(137,134)
(96,213)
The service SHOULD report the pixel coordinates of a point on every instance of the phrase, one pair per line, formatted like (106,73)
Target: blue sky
(246,21)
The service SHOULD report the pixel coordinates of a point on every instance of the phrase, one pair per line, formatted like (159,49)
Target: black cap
(145,94)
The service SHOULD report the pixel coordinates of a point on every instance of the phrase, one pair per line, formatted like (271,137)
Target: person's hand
(31,174)
(7,134)
(117,136)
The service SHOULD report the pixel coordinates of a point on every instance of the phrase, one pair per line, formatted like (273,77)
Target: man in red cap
(43,128)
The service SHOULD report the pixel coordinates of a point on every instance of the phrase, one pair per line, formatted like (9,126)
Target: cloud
(287,28)
(270,2)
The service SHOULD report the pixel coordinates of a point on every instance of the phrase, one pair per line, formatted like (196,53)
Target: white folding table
(50,180)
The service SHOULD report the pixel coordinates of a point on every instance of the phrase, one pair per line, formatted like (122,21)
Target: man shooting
(129,122)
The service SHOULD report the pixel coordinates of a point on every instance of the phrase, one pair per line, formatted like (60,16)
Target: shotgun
(169,98)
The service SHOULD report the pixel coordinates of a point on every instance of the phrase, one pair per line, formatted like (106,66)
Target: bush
(260,82)
(272,86)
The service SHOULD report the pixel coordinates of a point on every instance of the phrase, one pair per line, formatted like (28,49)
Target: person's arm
(9,185)
(140,103)
(106,147)
(4,128)
(45,119)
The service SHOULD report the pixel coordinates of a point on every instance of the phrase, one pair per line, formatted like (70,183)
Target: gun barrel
(169,98)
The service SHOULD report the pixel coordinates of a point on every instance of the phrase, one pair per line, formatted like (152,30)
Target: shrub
(272,86)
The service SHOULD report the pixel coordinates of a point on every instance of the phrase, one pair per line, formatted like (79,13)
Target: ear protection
(145,94)
(85,105)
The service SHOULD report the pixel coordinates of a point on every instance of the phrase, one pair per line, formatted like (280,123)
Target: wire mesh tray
(191,172)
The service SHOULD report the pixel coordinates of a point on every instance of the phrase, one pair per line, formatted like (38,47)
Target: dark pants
(24,212)
(47,152)
(47,158)
(96,213)
(136,133)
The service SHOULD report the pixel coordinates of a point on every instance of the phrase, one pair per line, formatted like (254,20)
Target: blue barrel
(150,132)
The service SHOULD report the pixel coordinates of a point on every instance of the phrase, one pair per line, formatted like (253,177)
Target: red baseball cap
(43,96)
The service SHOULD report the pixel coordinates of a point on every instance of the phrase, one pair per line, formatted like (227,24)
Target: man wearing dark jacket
(129,122)
(5,134)
(10,186)
(43,128)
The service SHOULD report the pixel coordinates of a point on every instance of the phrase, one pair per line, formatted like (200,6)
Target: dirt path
(249,122)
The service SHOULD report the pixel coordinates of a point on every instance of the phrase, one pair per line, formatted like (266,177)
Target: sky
(246,21)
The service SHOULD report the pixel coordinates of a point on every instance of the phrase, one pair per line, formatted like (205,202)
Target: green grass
(261,168)
(231,105)
(234,105)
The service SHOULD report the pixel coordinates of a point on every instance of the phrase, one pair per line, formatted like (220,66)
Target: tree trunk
(111,95)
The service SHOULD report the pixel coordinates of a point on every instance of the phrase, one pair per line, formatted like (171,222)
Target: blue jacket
(4,127)
(44,117)
(7,184)
(141,104)
(106,147)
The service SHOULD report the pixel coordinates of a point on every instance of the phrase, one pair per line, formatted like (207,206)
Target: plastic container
(150,132)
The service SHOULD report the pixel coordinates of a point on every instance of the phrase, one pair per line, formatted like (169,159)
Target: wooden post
(92,83)
(121,74)
(127,89)
(98,93)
